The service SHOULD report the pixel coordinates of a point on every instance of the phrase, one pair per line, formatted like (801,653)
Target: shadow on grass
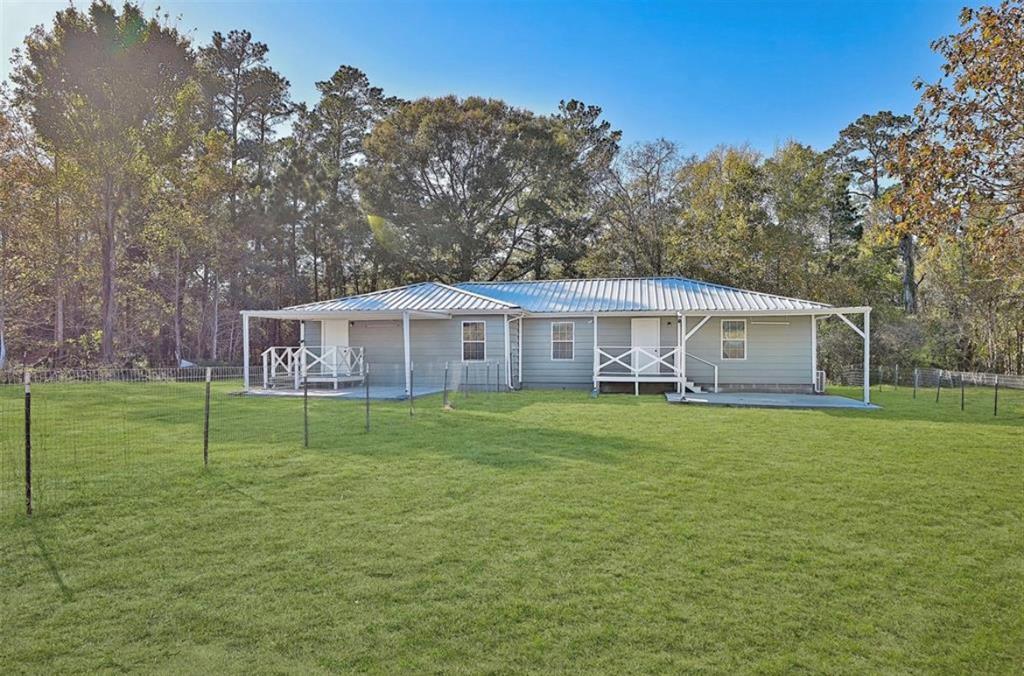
(51,565)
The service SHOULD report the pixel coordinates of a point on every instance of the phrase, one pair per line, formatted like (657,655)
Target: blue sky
(700,73)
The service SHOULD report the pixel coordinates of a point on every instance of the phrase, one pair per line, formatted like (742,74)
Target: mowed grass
(535,532)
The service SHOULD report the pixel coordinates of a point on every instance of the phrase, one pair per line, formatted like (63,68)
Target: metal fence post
(961,391)
(915,382)
(28,443)
(305,409)
(995,403)
(366,383)
(896,378)
(444,399)
(206,420)
(938,385)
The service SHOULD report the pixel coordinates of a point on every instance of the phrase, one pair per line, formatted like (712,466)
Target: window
(562,334)
(474,347)
(734,339)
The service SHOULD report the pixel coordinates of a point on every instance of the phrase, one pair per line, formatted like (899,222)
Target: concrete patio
(377,392)
(768,400)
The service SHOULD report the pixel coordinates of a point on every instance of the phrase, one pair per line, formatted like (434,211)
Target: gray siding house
(633,334)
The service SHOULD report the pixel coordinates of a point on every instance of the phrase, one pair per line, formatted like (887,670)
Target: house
(604,334)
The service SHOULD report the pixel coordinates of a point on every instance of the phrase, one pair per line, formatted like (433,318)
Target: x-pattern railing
(295,362)
(630,359)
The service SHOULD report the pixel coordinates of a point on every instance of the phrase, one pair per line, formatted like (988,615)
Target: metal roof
(584,296)
(425,296)
(638,294)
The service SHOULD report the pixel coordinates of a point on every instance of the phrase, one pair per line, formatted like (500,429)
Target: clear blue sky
(698,73)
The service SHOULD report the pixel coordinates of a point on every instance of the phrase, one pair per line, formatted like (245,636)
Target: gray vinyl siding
(541,371)
(433,342)
(778,352)
(313,333)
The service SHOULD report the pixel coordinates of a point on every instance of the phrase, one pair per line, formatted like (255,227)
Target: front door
(645,332)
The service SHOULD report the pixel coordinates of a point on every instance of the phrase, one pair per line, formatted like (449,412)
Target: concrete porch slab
(377,392)
(769,400)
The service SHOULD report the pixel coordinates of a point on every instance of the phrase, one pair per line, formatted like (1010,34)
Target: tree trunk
(108,255)
(58,278)
(907,254)
(215,328)
(177,308)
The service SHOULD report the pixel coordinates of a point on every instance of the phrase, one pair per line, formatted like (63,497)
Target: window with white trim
(734,339)
(562,336)
(474,341)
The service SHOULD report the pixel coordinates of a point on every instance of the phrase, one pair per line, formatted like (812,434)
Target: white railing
(641,362)
(644,363)
(325,362)
(714,367)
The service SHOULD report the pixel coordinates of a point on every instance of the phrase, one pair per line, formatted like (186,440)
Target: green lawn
(522,532)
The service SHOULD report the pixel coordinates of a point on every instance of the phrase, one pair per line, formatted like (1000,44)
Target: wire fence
(907,376)
(70,433)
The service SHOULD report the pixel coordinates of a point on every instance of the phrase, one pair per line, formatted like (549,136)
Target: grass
(540,532)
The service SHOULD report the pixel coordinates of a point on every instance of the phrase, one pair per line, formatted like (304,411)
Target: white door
(646,333)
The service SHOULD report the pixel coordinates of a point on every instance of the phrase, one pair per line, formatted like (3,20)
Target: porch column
(814,353)
(681,369)
(245,351)
(597,360)
(867,357)
(407,353)
(519,353)
(508,355)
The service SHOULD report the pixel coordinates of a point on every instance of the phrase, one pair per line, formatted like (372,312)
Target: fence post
(444,399)
(206,420)
(961,391)
(995,404)
(938,385)
(465,380)
(305,409)
(915,382)
(896,378)
(366,383)
(28,443)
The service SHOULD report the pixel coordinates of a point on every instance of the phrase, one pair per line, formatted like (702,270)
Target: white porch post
(681,327)
(814,353)
(867,357)
(519,353)
(407,353)
(508,355)
(245,350)
(597,361)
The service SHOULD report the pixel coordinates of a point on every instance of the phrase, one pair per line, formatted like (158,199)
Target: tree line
(151,188)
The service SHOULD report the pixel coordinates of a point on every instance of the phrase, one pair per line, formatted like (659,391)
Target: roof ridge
(652,278)
(365,294)
(476,295)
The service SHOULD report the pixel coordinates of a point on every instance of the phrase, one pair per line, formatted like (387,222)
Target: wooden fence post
(206,420)
(28,443)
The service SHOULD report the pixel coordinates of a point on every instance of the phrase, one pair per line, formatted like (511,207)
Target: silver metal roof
(583,296)
(643,294)
(426,296)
